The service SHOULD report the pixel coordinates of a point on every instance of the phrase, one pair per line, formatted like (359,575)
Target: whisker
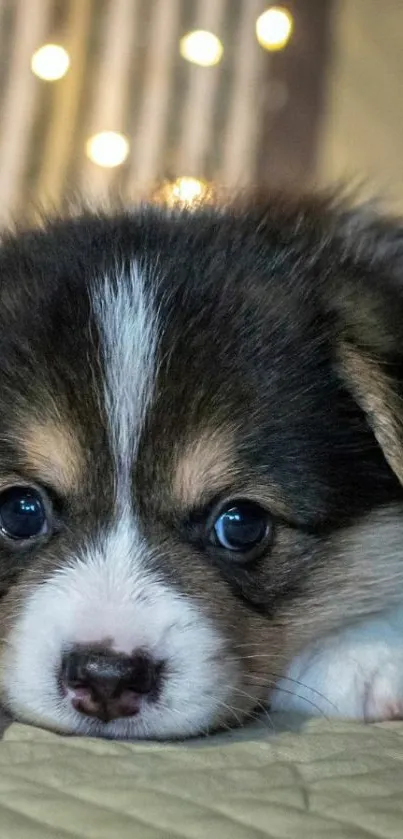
(204,731)
(232,709)
(274,684)
(260,705)
(307,687)
(289,679)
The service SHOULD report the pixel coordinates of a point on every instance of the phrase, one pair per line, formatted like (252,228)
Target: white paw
(385,693)
(357,674)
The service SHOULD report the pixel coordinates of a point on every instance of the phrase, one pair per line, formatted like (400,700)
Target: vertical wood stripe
(240,136)
(107,112)
(63,118)
(198,111)
(289,135)
(3,47)
(150,124)
(19,102)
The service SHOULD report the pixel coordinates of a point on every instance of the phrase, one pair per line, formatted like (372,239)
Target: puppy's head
(199,457)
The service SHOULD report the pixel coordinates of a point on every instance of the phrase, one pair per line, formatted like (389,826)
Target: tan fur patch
(361,575)
(204,466)
(53,454)
(207,465)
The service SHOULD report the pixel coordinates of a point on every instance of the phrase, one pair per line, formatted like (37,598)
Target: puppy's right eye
(23,513)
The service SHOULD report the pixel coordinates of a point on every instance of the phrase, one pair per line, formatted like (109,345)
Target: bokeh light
(184,191)
(274,28)
(107,149)
(201,47)
(50,62)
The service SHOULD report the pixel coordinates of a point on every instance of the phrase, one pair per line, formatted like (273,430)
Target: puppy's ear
(356,256)
(378,395)
(366,304)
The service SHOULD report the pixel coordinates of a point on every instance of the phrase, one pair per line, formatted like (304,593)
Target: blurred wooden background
(326,106)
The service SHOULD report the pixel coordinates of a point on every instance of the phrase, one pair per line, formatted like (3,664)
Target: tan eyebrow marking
(208,465)
(204,465)
(53,452)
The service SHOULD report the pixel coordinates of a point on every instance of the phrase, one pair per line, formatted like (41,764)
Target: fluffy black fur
(256,299)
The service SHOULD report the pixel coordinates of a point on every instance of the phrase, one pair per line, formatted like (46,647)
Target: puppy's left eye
(242,526)
(22,513)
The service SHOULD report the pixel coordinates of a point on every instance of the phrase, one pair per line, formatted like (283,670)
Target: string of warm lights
(109,149)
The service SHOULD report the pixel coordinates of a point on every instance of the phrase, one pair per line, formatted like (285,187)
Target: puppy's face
(185,480)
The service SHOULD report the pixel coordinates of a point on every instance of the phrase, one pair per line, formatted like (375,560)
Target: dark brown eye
(22,513)
(242,526)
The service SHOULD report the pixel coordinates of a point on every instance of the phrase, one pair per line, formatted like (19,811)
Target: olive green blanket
(314,779)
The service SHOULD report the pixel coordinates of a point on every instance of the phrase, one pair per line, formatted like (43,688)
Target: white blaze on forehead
(127,324)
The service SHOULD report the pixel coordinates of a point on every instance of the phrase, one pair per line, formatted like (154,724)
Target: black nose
(109,685)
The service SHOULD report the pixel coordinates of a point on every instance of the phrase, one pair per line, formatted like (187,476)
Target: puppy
(201,466)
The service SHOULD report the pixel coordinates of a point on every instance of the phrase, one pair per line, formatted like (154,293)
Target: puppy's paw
(357,674)
(384,695)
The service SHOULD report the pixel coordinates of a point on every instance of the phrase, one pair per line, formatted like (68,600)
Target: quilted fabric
(320,780)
